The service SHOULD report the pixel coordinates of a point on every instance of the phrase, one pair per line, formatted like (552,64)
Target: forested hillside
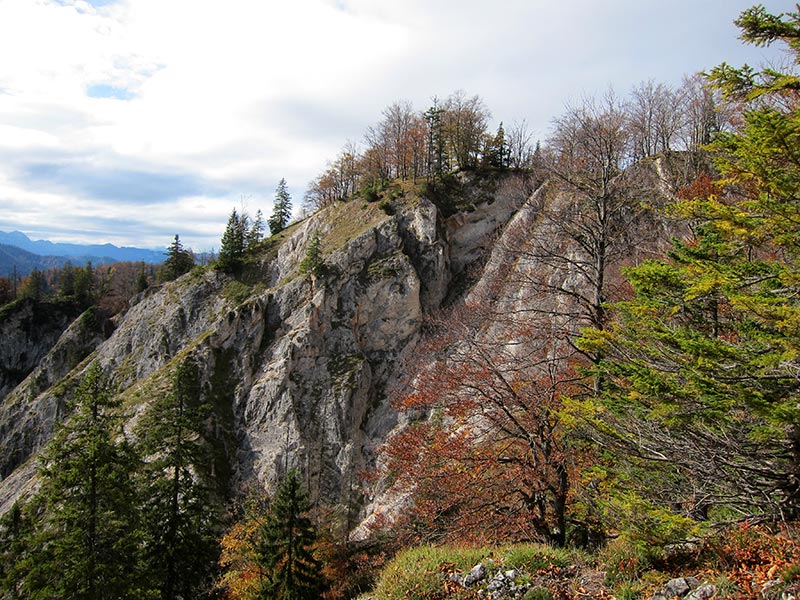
(481,366)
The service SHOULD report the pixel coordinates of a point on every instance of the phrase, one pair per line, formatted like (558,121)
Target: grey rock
(300,370)
(476,574)
(680,586)
(457,578)
(702,592)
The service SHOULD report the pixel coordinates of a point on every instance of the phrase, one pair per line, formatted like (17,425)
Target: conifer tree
(436,146)
(86,541)
(179,261)
(313,264)
(66,284)
(179,511)
(232,247)
(282,211)
(85,284)
(284,551)
(15,533)
(141,280)
(256,231)
(496,153)
(33,287)
(702,361)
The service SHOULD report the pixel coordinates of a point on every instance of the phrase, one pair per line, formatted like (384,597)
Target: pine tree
(313,264)
(66,284)
(85,284)
(179,261)
(141,280)
(33,287)
(282,211)
(436,146)
(86,541)
(232,247)
(179,510)
(256,232)
(496,153)
(285,548)
(15,532)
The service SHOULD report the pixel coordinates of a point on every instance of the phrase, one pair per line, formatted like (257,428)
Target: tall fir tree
(437,158)
(282,209)
(179,261)
(180,512)
(86,543)
(233,245)
(284,551)
(256,232)
(16,528)
(141,279)
(66,284)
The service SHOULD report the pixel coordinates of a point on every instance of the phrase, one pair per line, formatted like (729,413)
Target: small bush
(236,292)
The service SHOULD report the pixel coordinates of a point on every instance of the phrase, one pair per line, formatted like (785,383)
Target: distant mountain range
(18,250)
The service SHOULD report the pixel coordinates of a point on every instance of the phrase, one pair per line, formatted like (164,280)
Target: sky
(130,121)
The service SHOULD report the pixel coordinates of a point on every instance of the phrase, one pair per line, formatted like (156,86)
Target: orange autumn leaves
(484,456)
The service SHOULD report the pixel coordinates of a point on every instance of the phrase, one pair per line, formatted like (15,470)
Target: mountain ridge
(56,254)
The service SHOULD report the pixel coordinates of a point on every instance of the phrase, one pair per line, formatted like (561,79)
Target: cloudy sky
(127,121)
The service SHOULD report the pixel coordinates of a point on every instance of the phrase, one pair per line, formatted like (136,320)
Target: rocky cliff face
(28,331)
(299,369)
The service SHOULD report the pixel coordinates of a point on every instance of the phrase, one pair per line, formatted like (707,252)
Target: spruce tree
(141,279)
(86,542)
(179,261)
(284,552)
(180,514)
(232,247)
(313,264)
(33,287)
(282,210)
(256,232)
(437,145)
(85,287)
(15,537)
(66,284)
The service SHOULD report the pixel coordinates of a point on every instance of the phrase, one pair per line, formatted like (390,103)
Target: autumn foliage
(485,456)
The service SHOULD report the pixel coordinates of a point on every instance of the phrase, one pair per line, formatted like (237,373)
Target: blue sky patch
(109,91)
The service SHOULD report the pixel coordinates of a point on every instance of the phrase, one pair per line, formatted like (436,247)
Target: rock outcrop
(298,369)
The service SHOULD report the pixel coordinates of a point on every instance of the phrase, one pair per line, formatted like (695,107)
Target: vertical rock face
(28,331)
(298,369)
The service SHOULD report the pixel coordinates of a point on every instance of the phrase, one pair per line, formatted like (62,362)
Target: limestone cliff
(298,369)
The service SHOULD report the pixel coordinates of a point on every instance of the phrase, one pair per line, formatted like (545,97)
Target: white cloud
(238,94)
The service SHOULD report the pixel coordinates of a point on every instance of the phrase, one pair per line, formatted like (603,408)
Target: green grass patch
(348,221)
(420,573)
(384,268)
(537,557)
(236,292)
